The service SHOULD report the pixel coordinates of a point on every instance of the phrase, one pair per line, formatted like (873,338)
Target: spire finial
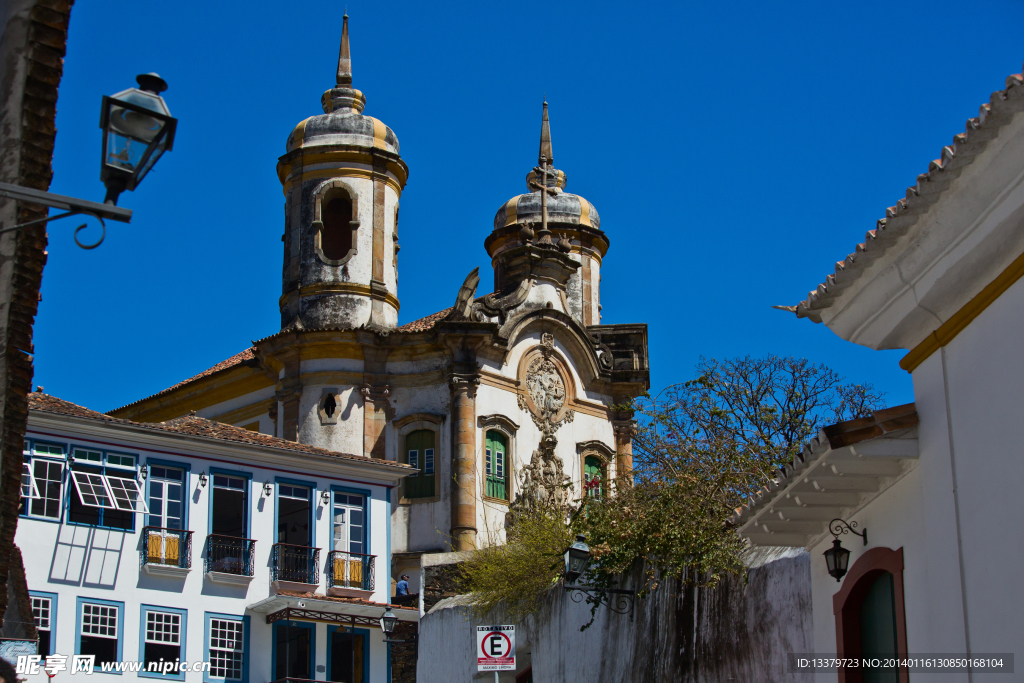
(545,139)
(344,58)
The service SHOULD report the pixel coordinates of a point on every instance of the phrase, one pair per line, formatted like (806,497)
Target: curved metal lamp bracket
(837,527)
(618,600)
(74,207)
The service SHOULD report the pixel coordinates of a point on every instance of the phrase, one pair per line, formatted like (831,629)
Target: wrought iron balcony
(350,570)
(230,555)
(296,563)
(166,547)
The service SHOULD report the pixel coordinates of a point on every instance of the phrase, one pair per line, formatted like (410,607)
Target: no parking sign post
(496,648)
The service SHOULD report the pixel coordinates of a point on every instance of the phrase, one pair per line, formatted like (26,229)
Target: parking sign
(495,648)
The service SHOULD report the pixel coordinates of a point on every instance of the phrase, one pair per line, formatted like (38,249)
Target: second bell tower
(343,177)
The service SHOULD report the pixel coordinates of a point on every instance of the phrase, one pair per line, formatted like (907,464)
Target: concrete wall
(738,631)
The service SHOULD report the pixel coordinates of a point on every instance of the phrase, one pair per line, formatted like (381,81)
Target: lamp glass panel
(130,134)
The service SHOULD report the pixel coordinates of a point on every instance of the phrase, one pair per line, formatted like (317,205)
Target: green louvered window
(593,477)
(420,447)
(496,465)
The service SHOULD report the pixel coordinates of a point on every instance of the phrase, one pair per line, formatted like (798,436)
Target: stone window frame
(507,428)
(602,452)
(324,194)
(322,413)
(407,425)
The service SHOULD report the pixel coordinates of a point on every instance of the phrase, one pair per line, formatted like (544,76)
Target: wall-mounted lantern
(325,497)
(837,558)
(576,559)
(203,479)
(268,489)
(137,129)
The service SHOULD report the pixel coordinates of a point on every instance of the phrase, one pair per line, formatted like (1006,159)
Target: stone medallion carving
(546,396)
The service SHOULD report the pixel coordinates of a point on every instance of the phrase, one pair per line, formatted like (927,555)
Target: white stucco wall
(975,404)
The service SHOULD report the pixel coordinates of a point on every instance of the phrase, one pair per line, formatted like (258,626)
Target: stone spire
(344,58)
(343,98)
(545,140)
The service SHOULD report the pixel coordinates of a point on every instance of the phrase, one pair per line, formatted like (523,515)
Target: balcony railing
(295,563)
(230,555)
(350,570)
(168,547)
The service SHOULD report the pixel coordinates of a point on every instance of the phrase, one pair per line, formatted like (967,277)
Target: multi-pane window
(163,636)
(226,647)
(41,480)
(496,465)
(99,631)
(229,506)
(105,491)
(419,447)
(349,522)
(42,611)
(294,512)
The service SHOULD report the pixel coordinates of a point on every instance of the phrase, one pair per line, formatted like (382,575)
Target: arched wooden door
(870,617)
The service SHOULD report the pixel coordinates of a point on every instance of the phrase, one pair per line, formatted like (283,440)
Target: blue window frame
(346,501)
(97,509)
(294,653)
(162,632)
(44,612)
(226,647)
(348,658)
(230,501)
(167,488)
(46,464)
(293,512)
(99,631)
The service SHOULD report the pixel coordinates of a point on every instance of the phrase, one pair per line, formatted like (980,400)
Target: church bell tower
(343,177)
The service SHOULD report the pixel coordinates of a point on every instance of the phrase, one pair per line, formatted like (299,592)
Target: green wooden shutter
(593,477)
(421,447)
(497,466)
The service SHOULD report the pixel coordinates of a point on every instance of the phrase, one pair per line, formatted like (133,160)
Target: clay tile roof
(833,437)
(424,324)
(234,361)
(926,191)
(193,425)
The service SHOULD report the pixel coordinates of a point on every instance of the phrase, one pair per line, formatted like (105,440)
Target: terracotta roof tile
(234,361)
(193,425)
(424,324)
(929,187)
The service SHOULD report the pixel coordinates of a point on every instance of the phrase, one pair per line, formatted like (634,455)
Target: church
(509,394)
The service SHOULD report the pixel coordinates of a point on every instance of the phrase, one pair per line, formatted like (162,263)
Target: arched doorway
(870,616)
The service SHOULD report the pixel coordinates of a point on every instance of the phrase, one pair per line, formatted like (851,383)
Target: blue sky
(734,150)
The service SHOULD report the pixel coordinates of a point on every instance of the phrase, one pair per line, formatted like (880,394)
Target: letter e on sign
(496,648)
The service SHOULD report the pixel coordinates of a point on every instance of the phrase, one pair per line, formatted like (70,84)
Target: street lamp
(576,558)
(837,558)
(387,622)
(137,129)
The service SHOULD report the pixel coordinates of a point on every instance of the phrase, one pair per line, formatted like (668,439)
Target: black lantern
(838,559)
(387,622)
(137,129)
(576,558)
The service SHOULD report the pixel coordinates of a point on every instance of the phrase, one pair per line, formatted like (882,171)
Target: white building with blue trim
(198,542)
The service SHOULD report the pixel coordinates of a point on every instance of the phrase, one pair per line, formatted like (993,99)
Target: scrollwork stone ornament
(542,484)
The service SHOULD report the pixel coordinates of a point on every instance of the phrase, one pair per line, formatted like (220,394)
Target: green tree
(700,448)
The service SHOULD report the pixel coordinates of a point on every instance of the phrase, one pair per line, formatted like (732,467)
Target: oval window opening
(336,234)
(330,405)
